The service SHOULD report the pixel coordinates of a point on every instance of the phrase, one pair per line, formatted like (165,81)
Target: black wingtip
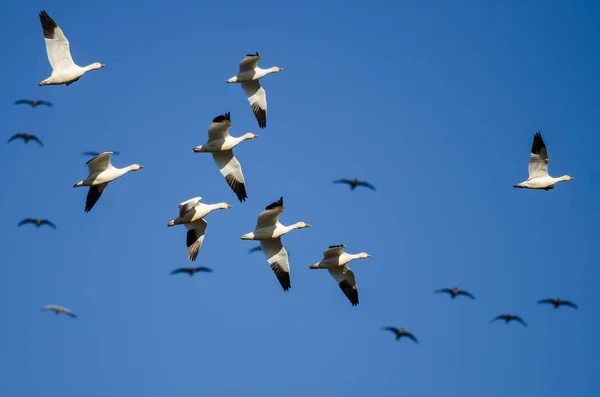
(278,203)
(336,246)
(253,55)
(48,25)
(538,143)
(223,117)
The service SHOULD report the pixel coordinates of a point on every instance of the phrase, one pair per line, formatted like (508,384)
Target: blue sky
(433,102)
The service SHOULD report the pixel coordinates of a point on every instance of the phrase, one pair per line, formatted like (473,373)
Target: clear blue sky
(434,102)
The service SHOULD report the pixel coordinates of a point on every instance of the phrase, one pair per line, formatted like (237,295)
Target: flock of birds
(268,230)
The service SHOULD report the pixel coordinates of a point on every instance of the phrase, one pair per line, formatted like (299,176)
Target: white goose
(64,70)
(248,76)
(100,173)
(191,214)
(335,261)
(538,168)
(268,232)
(221,145)
(59,309)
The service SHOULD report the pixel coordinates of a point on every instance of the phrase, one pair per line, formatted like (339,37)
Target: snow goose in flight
(538,168)
(508,318)
(558,302)
(335,261)
(221,145)
(31,103)
(191,270)
(248,76)
(37,222)
(100,173)
(454,292)
(94,154)
(400,332)
(64,70)
(354,183)
(268,232)
(59,309)
(26,138)
(191,214)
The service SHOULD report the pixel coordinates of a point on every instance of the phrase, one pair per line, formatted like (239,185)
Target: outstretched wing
(569,303)
(99,163)
(24,221)
(411,336)
(366,184)
(270,216)
(47,222)
(278,260)
(93,195)
(187,205)
(345,279)
(35,138)
(24,102)
(180,270)
(250,62)
(203,269)
(219,128)
(538,159)
(195,237)
(499,317)
(520,320)
(231,169)
(393,329)
(42,102)
(443,290)
(12,138)
(257,96)
(57,45)
(466,293)
(333,251)
(550,301)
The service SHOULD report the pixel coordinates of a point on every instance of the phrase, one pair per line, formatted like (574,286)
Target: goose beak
(197,149)
(228,206)
(102,65)
(141,166)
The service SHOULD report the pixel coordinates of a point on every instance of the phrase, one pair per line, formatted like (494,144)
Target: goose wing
(24,102)
(180,270)
(187,205)
(270,216)
(257,97)
(392,329)
(57,45)
(203,269)
(219,128)
(26,220)
(99,163)
(520,320)
(42,102)
(538,159)
(50,307)
(499,317)
(12,138)
(231,169)
(36,139)
(466,293)
(278,260)
(333,251)
(443,290)
(410,336)
(569,303)
(550,301)
(345,279)
(47,222)
(366,184)
(93,195)
(195,237)
(250,62)
(68,312)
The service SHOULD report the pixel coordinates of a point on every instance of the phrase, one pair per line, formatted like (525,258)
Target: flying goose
(558,302)
(191,214)
(221,145)
(335,261)
(94,154)
(268,232)
(508,318)
(59,309)
(538,168)
(37,222)
(100,173)
(454,292)
(64,70)
(26,137)
(248,75)
(191,270)
(31,103)
(354,183)
(400,333)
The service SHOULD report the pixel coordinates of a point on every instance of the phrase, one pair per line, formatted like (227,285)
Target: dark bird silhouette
(191,270)
(26,137)
(255,249)
(454,292)
(37,222)
(33,104)
(558,302)
(59,309)
(354,183)
(94,154)
(400,333)
(508,318)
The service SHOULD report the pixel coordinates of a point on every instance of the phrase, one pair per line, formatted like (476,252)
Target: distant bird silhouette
(354,183)
(454,292)
(191,270)
(508,318)
(94,154)
(37,222)
(255,249)
(59,309)
(400,333)
(33,104)
(558,302)
(26,137)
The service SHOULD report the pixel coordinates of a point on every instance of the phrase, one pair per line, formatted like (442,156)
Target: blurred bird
(454,292)
(191,270)
(400,333)
(33,104)
(25,137)
(558,302)
(254,249)
(508,318)
(94,154)
(249,74)
(59,309)
(354,183)
(37,222)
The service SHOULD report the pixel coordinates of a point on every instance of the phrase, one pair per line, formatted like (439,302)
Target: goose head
(363,255)
(249,135)
(135,167)
(300,225)
(97,65)
(223,206)
(567,178)
(276,69)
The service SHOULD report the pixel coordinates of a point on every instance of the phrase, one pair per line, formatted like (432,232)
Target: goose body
(248,75)
(64,70)
(37,222)
(26,138)
(220,144)
(100,173)
(191,215)
(539,179)
(268,232)
(335,260)
(32,103)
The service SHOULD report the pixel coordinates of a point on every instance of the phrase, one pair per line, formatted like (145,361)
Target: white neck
(90,67)
(263,72)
